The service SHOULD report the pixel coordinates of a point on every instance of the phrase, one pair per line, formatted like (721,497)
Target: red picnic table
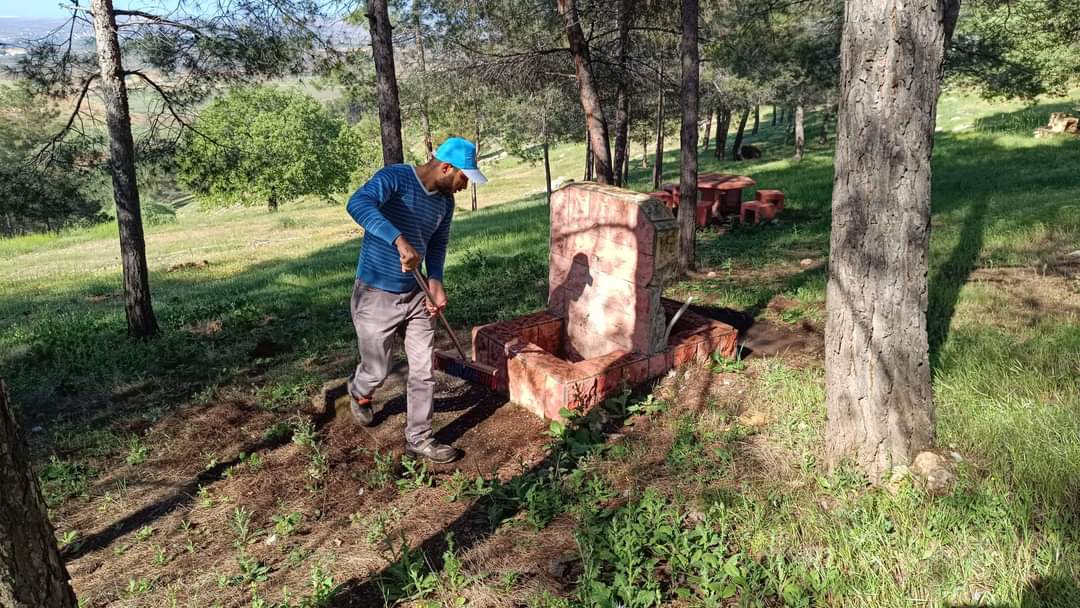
(720,195)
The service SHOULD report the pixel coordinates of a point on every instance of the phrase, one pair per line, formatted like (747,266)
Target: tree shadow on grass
(950,276)
(76,352)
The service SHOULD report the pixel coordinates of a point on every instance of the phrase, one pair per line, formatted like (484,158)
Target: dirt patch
(1067,265)
(188,266)
(98,298)
(800,344)
(170,522)
(205,328)
(1027,297)
(266,348)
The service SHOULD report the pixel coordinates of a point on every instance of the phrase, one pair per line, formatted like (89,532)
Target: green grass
(1006,375)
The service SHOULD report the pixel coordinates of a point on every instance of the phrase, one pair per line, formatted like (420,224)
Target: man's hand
(435,286)
(410,260)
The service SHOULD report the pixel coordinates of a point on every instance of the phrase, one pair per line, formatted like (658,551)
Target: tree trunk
(476,142)
(425,120)
(386,88)
(789,135)
(588,161)
(622,113)
(272,203)
(826,116)
(32,575)
(645,154)
(781,115)
(757,120)
(658,164)
(590,100)
(877,367)
(723,125)
(137,304)
(626,165)
(547,171)
(736,148)
(688,190)
(774,115)
(708,130)
(800,135)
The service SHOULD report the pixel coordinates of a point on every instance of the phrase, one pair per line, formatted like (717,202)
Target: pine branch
(50,146)
(158,20)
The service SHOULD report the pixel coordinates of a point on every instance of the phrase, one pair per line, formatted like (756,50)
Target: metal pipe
(675,319)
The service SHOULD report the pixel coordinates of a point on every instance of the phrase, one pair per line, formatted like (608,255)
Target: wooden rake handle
(427,293)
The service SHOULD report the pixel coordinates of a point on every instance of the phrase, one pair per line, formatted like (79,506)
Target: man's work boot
(434,451)
(361,410)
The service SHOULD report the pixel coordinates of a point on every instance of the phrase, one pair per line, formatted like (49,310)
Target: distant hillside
(15,31)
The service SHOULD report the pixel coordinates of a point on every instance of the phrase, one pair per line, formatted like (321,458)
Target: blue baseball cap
(461,153)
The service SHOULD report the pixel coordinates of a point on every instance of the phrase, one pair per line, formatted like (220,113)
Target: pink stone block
(659,364)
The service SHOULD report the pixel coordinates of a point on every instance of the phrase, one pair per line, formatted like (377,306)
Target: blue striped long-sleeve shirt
(394,202)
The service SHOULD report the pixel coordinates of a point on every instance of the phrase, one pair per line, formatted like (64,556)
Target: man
(406,213)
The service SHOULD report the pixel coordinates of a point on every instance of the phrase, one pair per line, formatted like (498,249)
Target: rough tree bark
(789,135)
(800,134)
(547,170)
(658,164)
(877,369)
(476,142)
(774,115)
(688,191)
(620,137)
(590,100)
(32,575)
(386,88)
(588,161)
(137,304)
(708,130)
(723,124)
(757,120)
(622,113)
(826,116)
(736,147)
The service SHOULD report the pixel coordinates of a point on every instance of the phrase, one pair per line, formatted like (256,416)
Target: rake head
(470,371)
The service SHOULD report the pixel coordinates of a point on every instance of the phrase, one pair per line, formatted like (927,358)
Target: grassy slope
(1005,372)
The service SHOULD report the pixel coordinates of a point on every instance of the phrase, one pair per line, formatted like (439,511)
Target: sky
(44,8)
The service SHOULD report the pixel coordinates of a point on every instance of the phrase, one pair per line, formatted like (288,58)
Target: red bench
(765,206)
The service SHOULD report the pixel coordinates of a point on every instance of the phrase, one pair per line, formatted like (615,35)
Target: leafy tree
(181,51)
(356,152)
(37,197)
(547,116)
(1018,48)
(34,199)
(263,145)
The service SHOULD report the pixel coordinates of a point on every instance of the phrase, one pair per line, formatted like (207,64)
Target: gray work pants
(377,315)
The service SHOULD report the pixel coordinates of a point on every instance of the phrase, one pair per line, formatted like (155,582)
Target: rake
(470,371)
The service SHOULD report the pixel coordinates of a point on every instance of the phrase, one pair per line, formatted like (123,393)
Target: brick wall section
(494,343)
(544,383)
(612,250)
